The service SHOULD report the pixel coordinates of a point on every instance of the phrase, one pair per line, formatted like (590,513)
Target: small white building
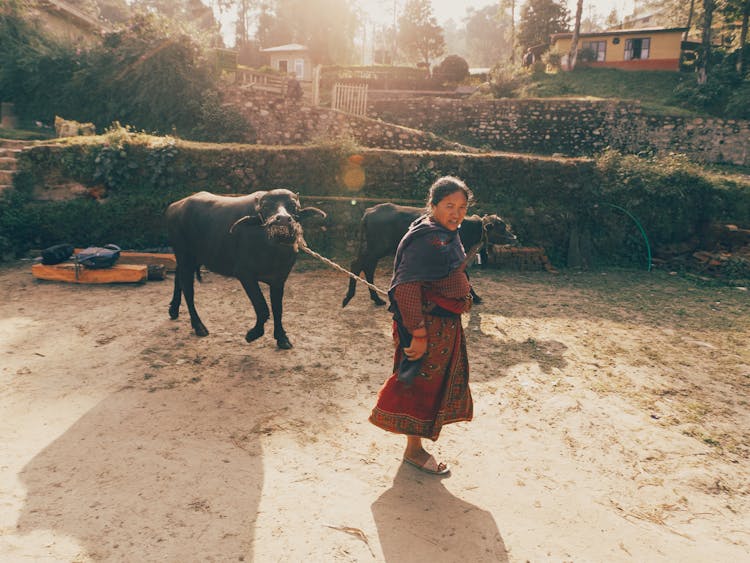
(291,58)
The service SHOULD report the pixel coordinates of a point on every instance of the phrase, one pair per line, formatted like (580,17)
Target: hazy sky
(382,10)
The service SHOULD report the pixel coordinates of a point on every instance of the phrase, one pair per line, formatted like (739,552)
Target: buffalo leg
(474,297)
(277,300)
(184,276)
(356,268)
(370,277)
(259,305)
(174,305)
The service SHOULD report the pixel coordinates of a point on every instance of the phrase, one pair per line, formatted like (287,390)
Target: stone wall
(278,121)
(569,127)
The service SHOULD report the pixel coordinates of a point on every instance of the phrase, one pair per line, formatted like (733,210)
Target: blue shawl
(427,252)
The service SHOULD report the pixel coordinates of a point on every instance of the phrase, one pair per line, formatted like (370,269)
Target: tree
(703,62)
(739,10)
(613,19)
(145,76)
(510,5)
(573,54)
(540,19)
(419,35)
(326,27)
(486,36)
(191,17)
(689,20)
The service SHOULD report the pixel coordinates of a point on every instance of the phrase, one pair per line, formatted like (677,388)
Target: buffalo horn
(238,221)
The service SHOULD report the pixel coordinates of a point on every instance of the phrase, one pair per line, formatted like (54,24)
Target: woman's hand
(417,349)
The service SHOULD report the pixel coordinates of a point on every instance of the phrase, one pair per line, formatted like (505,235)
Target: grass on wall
(654,89)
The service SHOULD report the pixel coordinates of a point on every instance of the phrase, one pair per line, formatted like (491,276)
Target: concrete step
(10,153)
(7,163)
(13,144)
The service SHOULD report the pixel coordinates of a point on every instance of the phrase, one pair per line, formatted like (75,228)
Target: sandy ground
(611,424)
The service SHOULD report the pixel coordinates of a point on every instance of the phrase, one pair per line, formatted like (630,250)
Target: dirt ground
(611,424)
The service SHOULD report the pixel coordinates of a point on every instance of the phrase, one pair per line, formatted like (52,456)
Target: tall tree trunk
(708,16)
(690,20)
(573,54)
(512,31)
(743,38)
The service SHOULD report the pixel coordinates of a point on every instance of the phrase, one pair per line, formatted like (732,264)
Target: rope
(469,257)
(332,264)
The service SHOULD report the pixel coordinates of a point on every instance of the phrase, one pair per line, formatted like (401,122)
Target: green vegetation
(142,74)
(724,94)
(130,177)
(655,89)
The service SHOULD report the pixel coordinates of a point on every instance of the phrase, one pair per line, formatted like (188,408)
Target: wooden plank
(146,258)
(149,259)
(66,272)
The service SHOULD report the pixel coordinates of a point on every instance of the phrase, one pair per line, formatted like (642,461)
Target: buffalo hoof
(174,312)
(378,302)
(346,300)
(200,330)
(283,343)
(254,333)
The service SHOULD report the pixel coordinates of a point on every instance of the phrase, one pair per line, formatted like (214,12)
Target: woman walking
(429,386)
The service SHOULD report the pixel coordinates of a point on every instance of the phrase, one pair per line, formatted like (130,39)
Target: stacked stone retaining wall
(569,127)
(279,121)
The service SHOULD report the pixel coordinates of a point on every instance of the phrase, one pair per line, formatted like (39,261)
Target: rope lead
(303,246)
(469,257)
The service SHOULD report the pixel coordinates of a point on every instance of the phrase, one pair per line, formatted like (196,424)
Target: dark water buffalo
(253,238)
(384,224)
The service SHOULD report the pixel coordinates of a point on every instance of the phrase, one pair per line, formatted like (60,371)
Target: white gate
(350,98)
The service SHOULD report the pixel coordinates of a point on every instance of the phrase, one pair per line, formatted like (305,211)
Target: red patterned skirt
(439,395)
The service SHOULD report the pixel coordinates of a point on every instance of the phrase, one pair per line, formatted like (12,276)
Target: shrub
(587,55)
(219,123)
(553,59)
(506,82)
(452,69)
(737,103)
(35,67)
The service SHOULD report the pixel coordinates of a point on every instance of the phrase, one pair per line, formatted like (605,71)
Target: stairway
(9,149)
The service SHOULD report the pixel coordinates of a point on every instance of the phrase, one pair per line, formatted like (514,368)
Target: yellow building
(654,48)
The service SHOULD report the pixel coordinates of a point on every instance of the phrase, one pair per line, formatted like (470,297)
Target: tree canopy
(487,36)
(419,35)
(540,19)
(326,27)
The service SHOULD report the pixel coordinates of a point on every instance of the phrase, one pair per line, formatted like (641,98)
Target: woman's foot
(424,461)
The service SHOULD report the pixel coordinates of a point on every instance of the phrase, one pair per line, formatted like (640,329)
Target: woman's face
(451,210)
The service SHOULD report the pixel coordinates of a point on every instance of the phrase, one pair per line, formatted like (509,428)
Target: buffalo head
(279,212)
(498,230)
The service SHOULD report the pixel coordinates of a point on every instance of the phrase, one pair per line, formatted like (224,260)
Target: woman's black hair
(446,186)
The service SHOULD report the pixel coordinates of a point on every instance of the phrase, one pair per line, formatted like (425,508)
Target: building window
(283,65)
(637,49)
(597,49)
(299,68)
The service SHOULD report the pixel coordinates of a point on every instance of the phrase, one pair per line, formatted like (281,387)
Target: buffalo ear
(307,212)
(252,221)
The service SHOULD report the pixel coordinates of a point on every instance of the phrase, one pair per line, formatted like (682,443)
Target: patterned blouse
(409,296)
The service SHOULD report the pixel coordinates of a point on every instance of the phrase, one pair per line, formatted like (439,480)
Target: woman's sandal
(430,466)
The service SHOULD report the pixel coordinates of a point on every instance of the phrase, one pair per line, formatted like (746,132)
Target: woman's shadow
(419,520)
